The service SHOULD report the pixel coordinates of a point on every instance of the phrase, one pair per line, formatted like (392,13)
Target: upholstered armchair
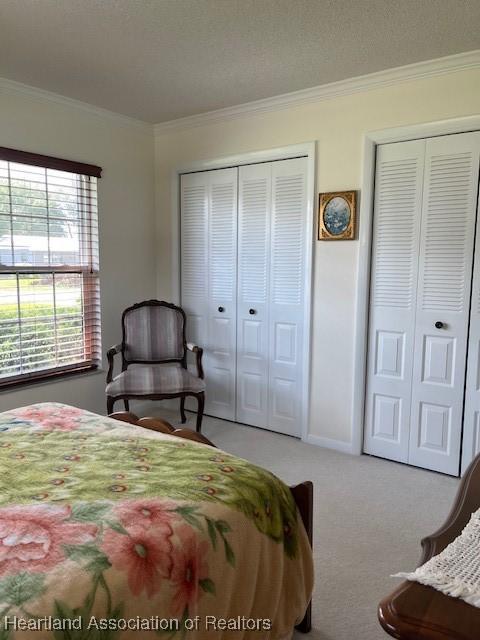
(154,358)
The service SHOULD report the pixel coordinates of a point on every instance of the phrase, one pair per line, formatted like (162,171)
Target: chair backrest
(153,331)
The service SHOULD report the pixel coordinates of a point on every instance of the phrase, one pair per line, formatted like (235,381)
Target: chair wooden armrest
(198,351)
(111,353)
(418,612)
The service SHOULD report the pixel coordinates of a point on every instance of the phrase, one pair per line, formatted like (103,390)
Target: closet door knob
(221,309)
(439,325)
(252,312)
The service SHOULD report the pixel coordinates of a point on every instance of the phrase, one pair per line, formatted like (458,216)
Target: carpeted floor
(369,517)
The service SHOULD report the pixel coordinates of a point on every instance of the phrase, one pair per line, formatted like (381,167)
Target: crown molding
(13,87)
(416,71)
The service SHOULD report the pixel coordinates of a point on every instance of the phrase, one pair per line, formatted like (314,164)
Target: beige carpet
(369,517)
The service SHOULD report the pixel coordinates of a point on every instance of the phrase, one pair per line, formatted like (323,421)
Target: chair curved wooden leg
(110,403)
(201,405)
(127,404)
(182,410)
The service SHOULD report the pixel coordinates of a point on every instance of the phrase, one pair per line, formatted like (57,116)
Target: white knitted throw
(456,570)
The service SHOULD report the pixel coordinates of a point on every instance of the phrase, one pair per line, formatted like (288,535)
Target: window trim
(53,373)
(49,162)
(49,375)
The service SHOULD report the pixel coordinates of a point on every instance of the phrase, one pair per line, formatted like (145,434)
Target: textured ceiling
(162,59)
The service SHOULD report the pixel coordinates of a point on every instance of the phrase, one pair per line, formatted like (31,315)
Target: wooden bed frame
(302,493)
(418,612)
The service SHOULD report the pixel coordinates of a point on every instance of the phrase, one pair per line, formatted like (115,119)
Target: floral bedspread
(111,531)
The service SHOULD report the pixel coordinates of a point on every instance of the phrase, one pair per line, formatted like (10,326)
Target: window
(49,272)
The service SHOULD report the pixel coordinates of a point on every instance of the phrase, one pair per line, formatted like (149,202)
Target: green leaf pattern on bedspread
(77,488)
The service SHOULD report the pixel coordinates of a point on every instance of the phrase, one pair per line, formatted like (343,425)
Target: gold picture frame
(337,215)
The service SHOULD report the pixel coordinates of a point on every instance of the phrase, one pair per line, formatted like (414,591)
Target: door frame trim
(306,149)
(370,141)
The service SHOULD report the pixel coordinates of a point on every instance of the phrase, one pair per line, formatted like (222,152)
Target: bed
(114,530)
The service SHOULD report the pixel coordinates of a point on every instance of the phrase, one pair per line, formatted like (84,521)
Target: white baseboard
(330,443)
(147,407)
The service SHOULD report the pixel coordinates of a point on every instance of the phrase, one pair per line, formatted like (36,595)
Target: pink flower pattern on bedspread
(100,518)
(190,571)
(32,538)
(66,419)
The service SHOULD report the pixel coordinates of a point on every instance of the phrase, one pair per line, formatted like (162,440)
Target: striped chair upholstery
(154,359)
(142,379)
(153,333)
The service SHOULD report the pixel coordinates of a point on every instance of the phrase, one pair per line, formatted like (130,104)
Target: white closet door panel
(287,292)
(194,265)
(471,423)
(254,204)
(471,426)
(220,351)
(395,247)
(445,268)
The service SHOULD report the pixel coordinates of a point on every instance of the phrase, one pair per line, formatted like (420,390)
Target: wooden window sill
(50,378)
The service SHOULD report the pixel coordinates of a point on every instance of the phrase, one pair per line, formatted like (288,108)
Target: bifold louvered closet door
(271,275)
(208,279)
(243,288)
(422,259)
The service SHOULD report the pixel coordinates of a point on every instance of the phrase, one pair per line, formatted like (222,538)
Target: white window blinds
(49,271)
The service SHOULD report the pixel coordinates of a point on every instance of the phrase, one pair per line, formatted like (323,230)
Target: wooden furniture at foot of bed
(302,493)
(418,612)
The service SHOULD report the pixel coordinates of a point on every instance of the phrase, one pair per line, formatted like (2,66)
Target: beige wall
(338,126)
(126,215)
(133,259)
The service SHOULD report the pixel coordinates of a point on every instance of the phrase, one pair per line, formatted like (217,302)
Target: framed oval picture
(337,215)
